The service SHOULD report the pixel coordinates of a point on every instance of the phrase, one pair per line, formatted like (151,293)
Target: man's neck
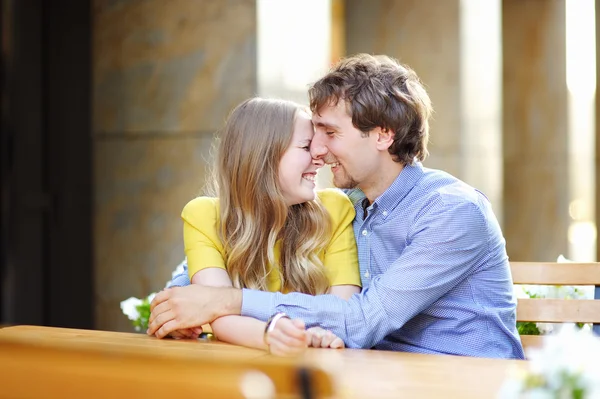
(382,180)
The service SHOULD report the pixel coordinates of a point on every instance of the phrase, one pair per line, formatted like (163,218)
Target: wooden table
(355,373)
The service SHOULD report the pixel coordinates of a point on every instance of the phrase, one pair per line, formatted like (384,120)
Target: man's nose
(318,150)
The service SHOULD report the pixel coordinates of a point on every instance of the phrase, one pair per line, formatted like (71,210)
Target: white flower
(545,328)
(151,297)
(561,259)
(539,393)
(512,387)
(570,357)
(129,306)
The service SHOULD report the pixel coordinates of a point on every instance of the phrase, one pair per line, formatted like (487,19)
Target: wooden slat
(536,341)
(555,273)
(532,341)
(558,310)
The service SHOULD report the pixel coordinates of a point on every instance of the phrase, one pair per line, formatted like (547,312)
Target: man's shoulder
(439,191)
(437,185)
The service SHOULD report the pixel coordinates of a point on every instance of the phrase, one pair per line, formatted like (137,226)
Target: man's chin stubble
(346,184)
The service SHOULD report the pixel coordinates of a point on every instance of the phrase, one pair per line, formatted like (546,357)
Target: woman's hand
(320,338)
(288,338)
(186,333)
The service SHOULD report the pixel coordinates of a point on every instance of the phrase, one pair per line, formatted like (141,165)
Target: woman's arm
(344,291)
(288,338)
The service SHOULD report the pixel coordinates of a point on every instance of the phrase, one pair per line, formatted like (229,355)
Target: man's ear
(385,138)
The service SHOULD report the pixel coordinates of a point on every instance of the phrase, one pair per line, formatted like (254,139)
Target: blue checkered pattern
(434,270)
(180,276)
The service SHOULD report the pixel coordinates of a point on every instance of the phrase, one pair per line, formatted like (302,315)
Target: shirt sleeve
(203,248)
(340,256)
(180,278)
(446,244)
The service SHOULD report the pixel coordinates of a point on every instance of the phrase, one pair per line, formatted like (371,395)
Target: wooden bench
(556,310)
(81,365)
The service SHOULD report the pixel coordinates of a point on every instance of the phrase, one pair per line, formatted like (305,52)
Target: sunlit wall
(581,84)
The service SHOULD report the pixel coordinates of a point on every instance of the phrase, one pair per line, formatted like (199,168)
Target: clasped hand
(180,311)
(291,338)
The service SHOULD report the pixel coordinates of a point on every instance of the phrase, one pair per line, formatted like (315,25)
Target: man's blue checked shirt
(434,270)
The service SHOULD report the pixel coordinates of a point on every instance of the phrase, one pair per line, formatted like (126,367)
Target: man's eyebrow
(325,124)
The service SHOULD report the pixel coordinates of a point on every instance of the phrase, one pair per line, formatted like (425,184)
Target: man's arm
(239,330)
(447,243)
(176,310)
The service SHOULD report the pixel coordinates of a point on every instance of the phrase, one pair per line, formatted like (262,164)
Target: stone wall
(165,76)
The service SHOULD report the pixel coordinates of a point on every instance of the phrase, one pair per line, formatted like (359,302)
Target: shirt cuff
(257,304)
(181,280)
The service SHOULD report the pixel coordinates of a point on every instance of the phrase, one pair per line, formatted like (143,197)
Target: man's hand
(288,338)
(180,308)
(320,338)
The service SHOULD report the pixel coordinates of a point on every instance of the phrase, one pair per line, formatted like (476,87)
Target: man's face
(342,146)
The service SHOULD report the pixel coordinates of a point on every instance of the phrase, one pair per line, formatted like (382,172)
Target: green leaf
(141,324)
(527,328)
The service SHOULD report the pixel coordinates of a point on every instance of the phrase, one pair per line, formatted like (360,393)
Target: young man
(433,263)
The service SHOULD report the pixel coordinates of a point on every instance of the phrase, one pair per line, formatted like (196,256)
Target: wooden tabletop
(355,373)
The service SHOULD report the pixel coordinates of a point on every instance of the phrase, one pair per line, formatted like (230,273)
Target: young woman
(268,228)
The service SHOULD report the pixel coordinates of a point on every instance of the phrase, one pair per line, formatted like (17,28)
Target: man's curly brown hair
(379,92)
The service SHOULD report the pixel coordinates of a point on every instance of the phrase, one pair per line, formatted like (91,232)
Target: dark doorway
(46,164)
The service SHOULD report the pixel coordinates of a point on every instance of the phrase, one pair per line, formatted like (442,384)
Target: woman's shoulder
(335,201)
(333,196)
(201,208)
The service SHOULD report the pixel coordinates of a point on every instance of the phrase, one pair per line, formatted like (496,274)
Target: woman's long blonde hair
(253,211)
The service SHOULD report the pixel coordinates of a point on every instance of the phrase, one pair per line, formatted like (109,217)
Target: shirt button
(364,233)
(384,213)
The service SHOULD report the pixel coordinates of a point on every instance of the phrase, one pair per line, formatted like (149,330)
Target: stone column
(535,127)
(165,76)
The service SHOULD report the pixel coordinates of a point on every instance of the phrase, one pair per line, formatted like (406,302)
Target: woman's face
(297,172)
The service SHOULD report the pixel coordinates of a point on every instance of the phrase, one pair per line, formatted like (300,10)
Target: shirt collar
(391,197)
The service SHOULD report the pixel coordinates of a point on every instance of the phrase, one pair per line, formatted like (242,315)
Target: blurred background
(109,108)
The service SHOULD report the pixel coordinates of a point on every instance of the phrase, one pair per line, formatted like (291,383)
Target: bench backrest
(544,310)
